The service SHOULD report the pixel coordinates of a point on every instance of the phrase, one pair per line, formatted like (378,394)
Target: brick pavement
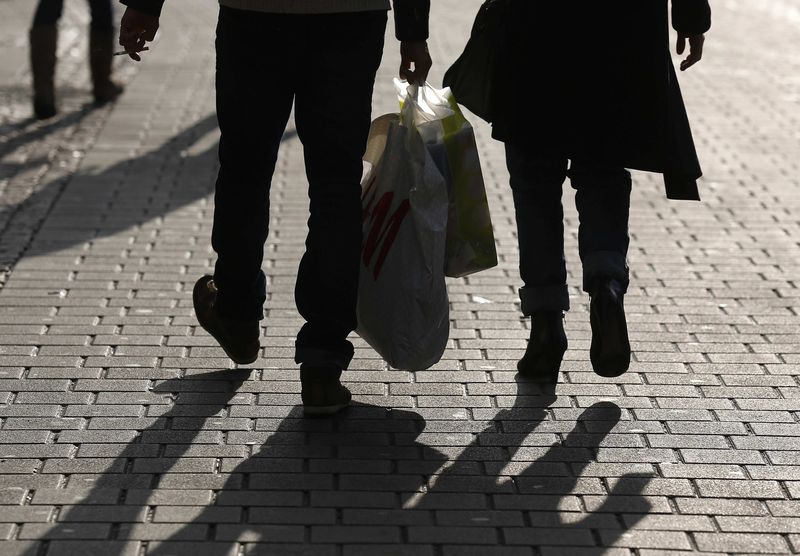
(124,430)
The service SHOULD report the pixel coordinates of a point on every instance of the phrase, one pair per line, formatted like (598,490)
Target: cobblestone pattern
(124,430)
(38,158)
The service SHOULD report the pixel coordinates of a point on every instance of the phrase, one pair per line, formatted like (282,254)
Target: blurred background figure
(43,46)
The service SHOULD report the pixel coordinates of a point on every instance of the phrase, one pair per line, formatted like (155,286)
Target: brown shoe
(239,338)
(323,393)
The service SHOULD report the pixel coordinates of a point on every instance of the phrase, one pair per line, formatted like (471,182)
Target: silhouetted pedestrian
(321,56)
(592,84)
(43,47)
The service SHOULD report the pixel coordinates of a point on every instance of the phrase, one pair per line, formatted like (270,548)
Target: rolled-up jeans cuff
(605,264)
(319,357)
(544,298)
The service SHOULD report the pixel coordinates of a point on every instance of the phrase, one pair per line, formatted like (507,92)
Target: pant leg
(536,185)
(333,113)
(48,12)
(102,15)
(603,198)
(254,100)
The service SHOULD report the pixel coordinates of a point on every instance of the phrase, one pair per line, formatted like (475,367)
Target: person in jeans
(43,37)
(320,56)
(585,90)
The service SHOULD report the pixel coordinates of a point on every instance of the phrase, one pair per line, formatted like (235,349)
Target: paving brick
(106,216)
(194,548)
(92,548)
(739,488)
(64,531)
(647,539)
(159,531)
(748,543)
(721,506)
(355,534)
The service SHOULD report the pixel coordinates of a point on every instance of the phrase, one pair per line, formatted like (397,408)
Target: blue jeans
(603,202)
(325,66)
(48,12)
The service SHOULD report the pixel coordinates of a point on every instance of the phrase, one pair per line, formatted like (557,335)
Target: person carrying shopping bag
(320,56)
(43,37)
(582,90)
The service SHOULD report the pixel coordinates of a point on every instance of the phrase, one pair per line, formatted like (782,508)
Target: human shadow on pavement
(138,469)
(373,476)
(17,134)
(91,204)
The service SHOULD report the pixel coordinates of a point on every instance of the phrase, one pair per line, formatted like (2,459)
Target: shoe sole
(323,410)
(201,320)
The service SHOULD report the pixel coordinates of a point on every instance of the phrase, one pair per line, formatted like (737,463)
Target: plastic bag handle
(378,134)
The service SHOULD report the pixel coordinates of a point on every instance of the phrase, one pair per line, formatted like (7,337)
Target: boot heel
(544,365)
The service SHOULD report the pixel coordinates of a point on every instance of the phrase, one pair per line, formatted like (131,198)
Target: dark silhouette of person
(43,47)
(321,57)
(586,90)
(374,464)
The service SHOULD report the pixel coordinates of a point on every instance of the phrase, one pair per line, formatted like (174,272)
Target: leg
(48,12)
(101,52)
(102,15)
(43,39)
(603,200)
(253,110)
(333,115)
(536,185)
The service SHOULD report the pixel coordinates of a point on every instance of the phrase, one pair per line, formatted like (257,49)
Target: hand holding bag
(450,140)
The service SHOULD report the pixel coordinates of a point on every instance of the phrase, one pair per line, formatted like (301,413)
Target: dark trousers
(48,12)
(326,66)
(603,202)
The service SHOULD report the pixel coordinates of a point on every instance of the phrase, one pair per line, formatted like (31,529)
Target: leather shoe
(611,350)
(239,339)
(546,347)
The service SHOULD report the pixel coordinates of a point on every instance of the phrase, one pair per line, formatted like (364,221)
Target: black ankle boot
(611,350)
(546,347)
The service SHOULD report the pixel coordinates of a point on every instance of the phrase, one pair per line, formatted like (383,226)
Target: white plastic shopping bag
(450,140)
(403,310)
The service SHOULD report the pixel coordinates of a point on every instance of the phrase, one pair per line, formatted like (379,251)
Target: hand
(695,49)
(415,53)
(135,30)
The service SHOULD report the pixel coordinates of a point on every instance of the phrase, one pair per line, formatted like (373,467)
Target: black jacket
(410,16)
(595,81)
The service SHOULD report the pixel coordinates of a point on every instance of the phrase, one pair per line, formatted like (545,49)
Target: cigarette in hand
(123,52)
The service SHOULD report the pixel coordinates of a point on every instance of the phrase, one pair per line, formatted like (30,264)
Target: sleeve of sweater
(150,7)
(691,17)
(411,19)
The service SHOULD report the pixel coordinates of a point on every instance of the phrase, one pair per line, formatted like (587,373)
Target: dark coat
(595,81)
